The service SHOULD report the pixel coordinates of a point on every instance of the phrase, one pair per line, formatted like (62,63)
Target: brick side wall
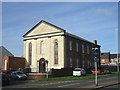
(74,54)
(16,62)
(13,62)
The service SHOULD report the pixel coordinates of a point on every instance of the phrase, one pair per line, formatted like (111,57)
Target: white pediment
(43,28)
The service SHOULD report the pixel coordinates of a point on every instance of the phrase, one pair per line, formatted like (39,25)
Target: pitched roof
(66,33)
(4,51)
(77,37)
(43,21)
(105,55)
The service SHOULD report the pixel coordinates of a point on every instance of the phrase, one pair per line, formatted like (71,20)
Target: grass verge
(69,78)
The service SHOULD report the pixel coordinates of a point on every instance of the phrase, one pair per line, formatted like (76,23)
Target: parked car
(13,76)
(79,72)
(106,71)
(10,75)
(19,74)
(5,79)
(94,72)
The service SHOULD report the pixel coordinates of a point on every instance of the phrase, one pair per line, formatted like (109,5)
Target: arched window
(41,47)
(56,51)
(30,53)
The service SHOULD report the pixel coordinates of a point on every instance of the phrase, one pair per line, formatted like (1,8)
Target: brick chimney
(95,42)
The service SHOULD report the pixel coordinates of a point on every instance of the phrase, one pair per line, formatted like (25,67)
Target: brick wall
(88,58)
(14,63)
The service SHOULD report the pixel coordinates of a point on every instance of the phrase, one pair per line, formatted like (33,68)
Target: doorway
(42,68)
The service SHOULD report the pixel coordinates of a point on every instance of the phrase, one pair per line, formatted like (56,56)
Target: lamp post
(96,59)
(117,50)
(117,63)
(46,63)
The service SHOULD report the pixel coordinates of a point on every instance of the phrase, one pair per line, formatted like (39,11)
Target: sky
(89,20)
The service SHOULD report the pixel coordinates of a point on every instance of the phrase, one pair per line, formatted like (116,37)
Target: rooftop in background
(114,55)
(4,51)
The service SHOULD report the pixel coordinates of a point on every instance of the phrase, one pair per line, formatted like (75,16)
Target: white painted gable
(43,28)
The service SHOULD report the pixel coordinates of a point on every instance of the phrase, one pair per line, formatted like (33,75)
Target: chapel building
(48,42)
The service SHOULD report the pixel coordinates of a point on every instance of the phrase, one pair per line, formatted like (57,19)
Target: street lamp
(96,59)
(46,63)
(117,50)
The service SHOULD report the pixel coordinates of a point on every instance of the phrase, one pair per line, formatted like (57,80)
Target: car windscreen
(19,73)
(77,70)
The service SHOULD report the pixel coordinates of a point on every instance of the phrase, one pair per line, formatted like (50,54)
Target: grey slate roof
(4,51)
(66,33)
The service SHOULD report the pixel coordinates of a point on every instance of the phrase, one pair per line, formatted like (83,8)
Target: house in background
(105,58)
(3,52)
(9,62)
(109,59)
(113,59)
(13,63)
(47,46)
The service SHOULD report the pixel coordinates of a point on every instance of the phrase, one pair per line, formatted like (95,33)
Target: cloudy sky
(89,20)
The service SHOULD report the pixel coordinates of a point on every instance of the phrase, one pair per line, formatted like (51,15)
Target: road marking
(68,85)
(55,83)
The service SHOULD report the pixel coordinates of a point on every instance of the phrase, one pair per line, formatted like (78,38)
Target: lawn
(69,78)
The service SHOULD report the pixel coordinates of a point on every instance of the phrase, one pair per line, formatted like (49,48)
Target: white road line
(68,85)
(55,83)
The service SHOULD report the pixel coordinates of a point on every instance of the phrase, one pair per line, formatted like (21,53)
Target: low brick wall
(36,75)
(61,72)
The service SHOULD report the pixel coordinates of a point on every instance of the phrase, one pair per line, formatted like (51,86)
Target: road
(90,83)
(114,86)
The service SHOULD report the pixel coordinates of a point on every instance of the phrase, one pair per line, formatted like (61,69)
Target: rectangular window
(88,63)
(83,63)
(87,49)
(71,62)
(77,63)
(83,60)
(77,47)
(83,49)
(70,45)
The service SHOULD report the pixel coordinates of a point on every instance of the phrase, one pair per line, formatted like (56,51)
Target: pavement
(102,85)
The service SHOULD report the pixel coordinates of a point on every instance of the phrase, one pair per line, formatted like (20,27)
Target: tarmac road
(90,83)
